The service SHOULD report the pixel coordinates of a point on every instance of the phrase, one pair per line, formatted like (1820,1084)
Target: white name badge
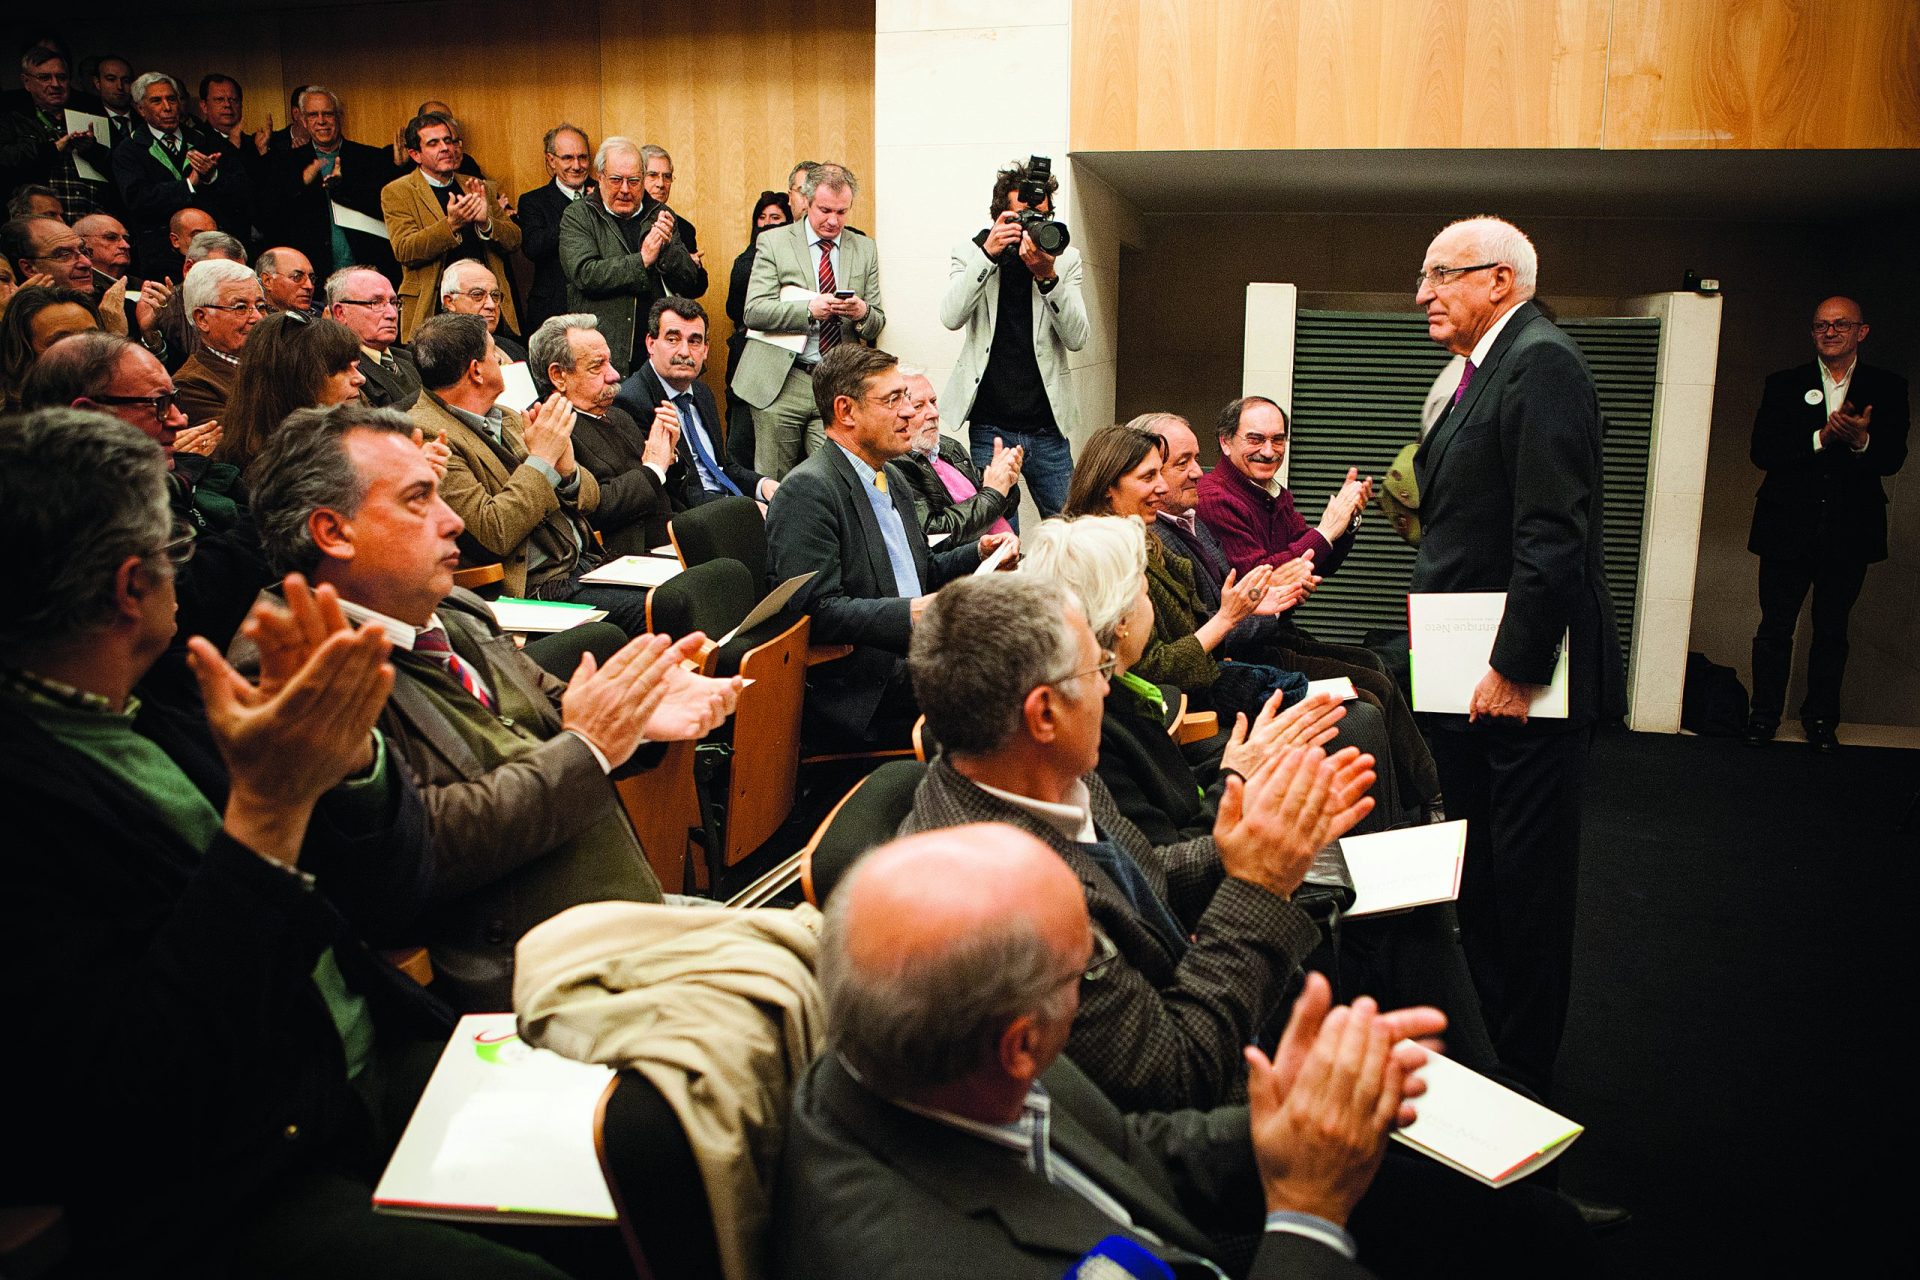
(1815,396)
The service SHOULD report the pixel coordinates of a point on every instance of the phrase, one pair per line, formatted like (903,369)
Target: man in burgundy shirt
(1252,516)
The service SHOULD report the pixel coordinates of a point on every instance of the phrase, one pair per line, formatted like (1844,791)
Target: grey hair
(268,263)
(303,468)
(1100,559)
(553,134)
(203,282)
(1152,422)
(911,371)
(939,1018)
(609,147)
(205,244)
(1501,241)
(80,492)
(337,282)
(79,366)
(648,151)
(150,79)
(549,345)
(319,90)
(457,271)
(828,175)
(983,644)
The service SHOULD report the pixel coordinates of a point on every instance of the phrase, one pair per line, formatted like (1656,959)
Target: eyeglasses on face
(892,400)
(1437,276)
(481,295)
(1835,326)
(65,253)
(251,306)
(161,405)
(178,548)
(1099,964)
(622,181)
(378,304)
(1108,661)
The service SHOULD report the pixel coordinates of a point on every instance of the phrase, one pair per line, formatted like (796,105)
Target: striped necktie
(830,327)
(433,644)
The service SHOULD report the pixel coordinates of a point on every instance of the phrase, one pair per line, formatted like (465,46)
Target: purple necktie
(1465,378)
(432,642)
(959,488)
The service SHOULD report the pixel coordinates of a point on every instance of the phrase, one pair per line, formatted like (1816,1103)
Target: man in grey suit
(846,515)
(838,270)
(944,1135)
(1510,498)
(1023,312)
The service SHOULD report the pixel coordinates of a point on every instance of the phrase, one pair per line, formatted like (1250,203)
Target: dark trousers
(1520,792)
(1047,471)
(1783,588)
(626,606)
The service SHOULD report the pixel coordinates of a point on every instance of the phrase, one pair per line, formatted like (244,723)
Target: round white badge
(1815,396)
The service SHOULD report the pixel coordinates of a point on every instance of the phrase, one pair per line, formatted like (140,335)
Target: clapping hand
(1004,471)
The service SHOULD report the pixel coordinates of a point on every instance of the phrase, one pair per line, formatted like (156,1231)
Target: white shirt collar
(571,193)
(1072,819)
(399,634)
(1480,348)
(1826,374)
(433,181)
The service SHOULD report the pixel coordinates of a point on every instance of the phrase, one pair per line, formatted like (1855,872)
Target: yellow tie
(880,481)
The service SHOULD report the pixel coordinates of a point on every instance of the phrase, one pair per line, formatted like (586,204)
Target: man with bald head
(1510,496)
(286,276)
(468,288)
(183,226)
(944,1135)
(1827,433)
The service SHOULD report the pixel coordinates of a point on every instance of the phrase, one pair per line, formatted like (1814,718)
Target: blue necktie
(684,403)
(1133,885)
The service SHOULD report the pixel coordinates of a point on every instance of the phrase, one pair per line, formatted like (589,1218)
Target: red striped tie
(830,327)
(432,643)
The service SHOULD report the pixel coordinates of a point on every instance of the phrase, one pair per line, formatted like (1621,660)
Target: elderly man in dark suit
(569,156)
(364,300)
(637,470)
(906,1153)
(667,389)
(846,516)
(512,763)
(160,170)
(307,185)
(1511,499)
(1826,433)
(955,497)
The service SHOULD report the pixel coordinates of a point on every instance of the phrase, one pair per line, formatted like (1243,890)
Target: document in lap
(1484,1130)
(541,616)
(1410,867)
(503,1132)
(1451,634)
(634,571)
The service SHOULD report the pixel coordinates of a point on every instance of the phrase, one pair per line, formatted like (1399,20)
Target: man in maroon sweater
(1255,521)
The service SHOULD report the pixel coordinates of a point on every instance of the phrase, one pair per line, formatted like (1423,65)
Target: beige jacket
(718,1009)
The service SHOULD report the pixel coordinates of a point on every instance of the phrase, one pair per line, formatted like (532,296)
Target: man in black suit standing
(656,174)
(569,156)
(847,517)
(1825,435)
(667,389)
(1511,500)
(325,192)
(161,169)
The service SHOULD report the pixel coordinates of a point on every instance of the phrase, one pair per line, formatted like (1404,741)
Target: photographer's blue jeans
(1046,473)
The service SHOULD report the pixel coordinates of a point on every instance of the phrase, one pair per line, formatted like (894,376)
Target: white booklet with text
(1451,635)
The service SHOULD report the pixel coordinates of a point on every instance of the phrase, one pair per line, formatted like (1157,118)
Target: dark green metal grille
(1359,378)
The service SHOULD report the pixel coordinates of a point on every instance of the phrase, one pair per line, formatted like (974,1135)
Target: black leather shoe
(1821,736)
(1759,733)
(1599,1217)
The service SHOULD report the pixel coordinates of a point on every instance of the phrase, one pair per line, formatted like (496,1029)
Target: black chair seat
(868,818)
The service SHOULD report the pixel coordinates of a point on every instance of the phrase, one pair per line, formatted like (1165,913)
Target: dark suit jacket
(296,213)
(153,195)
(643,391)
(634,503)
(1157,1030)
(1828,505)
(500,831)
(171,994)
(1510,497)
(385,390)
(821,522)
(538,213)
(868,1188)
(939,513)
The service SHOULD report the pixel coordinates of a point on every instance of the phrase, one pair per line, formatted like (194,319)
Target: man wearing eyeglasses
(569,157)
(224,302)
(469,289)
(848,517)
(326,190)
(1510,496)
(436,215)
(614,258)
(363,300)
(37,146)
(1827,433)
(287,277)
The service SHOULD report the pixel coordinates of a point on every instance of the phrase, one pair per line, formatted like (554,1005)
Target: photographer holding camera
(1016,288)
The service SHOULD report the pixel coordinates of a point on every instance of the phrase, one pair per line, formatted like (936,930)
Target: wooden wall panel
(1764,74)
(1253,74)
(1154,75)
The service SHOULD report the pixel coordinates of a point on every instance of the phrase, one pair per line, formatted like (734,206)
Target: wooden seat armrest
(819,653)
(1196,725)
(412,961)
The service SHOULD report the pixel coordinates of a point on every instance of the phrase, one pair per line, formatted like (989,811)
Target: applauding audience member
(955,498)
(636,468)
(616,246)
(437,215)
(223,300)
(161,170)
(512,762)
(667,389)
(326,190)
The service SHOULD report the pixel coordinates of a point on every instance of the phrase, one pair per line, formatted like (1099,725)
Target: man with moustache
(636,469)
(1252,513)
(569,157)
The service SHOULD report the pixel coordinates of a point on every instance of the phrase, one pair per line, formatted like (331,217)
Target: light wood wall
(737,90)
(1151,75)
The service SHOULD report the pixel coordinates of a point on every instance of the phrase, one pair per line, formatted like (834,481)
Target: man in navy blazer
(846,516)
(1825,435)
(676,355)
(569,156)
(1510,495)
